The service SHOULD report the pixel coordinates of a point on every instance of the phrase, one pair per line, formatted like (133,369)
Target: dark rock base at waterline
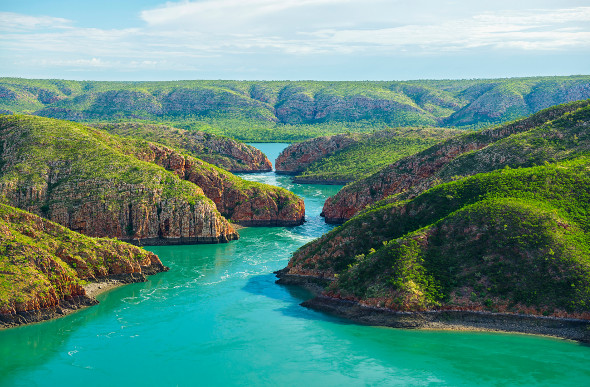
(38,315)
(181,240)
(271,223)
(572,329)
(71,304)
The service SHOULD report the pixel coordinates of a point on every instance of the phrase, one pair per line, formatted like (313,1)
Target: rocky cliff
(342,159)
(224,152)
(243,202)
(466,155)
(295,158)
(44,266)
(82,179)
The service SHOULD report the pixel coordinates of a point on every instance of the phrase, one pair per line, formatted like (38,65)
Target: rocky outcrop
(414,174)
(43,264)
(243,202)
(64,172)
(342,159)
(224,152)
(295,158)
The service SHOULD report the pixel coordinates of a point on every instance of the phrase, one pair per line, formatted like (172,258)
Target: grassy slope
(41,261)
(64,153)
(374,152)
(293,111)
(507,240)
(135,147)
(59,155)
(197,144)
(553,134)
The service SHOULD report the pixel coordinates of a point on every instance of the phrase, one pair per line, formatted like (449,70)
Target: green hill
(224,152)
(292,111)
(105,185)
(513,240)
(557,133)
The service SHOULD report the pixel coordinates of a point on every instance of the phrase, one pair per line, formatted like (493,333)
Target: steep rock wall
(246,203)
(295,158)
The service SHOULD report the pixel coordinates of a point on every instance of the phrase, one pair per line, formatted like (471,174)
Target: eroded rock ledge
(572,329)
(70,304)
(566,328)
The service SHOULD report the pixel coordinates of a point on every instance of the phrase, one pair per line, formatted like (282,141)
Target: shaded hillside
(515,240)
(291,111)
(44,266)
(224,152)
(345,158)
(553,134)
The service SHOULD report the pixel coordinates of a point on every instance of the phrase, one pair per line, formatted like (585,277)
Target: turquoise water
(218,318)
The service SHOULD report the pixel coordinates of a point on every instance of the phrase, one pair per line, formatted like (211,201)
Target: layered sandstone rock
(295,158)
(224,152)
(67,173)
(243,202)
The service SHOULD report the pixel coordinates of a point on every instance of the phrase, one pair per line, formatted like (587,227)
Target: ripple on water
(217,318)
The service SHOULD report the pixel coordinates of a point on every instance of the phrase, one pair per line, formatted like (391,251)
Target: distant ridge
(269,110)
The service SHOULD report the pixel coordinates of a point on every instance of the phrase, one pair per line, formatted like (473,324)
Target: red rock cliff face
(295,158)
(244,203)
(240,157)
(128,212)
(417,173)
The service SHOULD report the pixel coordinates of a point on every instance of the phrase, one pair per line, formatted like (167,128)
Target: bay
(217,318)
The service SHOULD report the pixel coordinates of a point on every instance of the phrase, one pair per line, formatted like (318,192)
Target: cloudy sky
(293,39)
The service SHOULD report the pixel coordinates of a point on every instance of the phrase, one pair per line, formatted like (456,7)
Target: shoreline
(447,320)
(96,288)
(92,288)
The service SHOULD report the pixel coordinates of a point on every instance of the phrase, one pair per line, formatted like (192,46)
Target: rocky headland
(134,190)
(46,267)
(297,157)
(342,159)
(493,238)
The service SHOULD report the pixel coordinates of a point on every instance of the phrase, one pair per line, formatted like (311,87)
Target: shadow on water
(28,347)
(292,296)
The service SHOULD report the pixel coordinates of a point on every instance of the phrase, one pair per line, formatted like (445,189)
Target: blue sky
(293,39)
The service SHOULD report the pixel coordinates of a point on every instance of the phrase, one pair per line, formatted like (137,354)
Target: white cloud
(542,30)
(10,21)
(182,34)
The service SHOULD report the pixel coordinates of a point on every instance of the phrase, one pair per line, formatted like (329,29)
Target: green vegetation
(72,163)
(373,152)
(292,111)
(42,262)
(509,240)
(553,134)
(106,185)
(221,151)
